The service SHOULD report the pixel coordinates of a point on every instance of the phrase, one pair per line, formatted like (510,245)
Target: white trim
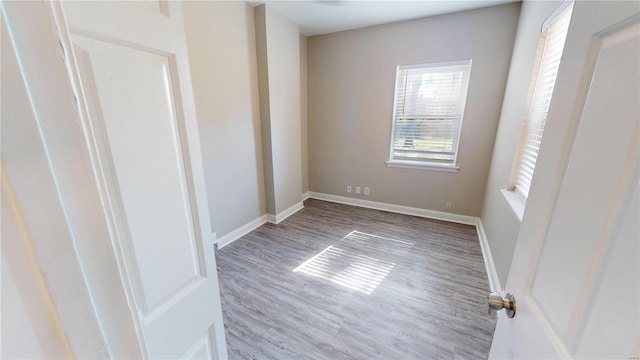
(516,202)
(209,241)
(431,214)
(465,66)
(557,12)
(57,210)
(278,218)
(241,231)
(492,274)
(444,64)
(420,165)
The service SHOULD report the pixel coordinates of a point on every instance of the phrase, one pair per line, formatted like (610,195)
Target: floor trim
(492,274)
(331,285)
(241,231)
(278,218)
(431,214)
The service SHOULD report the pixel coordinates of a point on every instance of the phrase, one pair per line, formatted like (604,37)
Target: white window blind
(428,109)
(543,80)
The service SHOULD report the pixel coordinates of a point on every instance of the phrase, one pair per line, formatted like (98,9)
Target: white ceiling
(316,17)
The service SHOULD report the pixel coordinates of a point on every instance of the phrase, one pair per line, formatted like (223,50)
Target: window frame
(430,164)
(516,199)
(514,196)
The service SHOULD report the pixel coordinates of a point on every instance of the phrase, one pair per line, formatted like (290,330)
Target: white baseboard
(494,281)
(278,218)
(431,214)
(241,231)
(492,274)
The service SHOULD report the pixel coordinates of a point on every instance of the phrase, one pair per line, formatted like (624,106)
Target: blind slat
(547,63)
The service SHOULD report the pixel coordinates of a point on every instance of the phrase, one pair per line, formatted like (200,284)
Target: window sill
(515,201)
(422,165)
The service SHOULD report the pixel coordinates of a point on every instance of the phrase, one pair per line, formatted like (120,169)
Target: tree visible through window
(428,109)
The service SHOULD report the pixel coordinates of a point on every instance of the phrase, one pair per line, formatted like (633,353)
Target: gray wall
(500,223)
(222,56)
(278,52)
(351,86)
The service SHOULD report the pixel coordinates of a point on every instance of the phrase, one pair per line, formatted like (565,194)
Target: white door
(575,272)
(135,91)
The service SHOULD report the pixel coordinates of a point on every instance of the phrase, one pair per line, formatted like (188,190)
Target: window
(427,116)
(541,85)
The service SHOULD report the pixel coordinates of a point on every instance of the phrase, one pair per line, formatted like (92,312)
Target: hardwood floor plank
(340,282)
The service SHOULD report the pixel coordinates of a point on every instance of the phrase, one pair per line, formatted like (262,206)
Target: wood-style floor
(340,282)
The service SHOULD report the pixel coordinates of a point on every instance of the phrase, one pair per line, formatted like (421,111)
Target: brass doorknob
(497,303)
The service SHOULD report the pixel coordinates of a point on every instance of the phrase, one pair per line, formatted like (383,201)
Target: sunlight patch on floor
(345,264)
(377,243)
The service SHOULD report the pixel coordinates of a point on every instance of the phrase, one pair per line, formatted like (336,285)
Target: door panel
(140,131)
(606,317)
(575,270)
(135,90)
(153,5)
(603,137)
(200,350)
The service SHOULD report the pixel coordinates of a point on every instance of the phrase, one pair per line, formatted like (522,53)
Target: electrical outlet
(367,191)
(448,205)
(348,188)
(357,189)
